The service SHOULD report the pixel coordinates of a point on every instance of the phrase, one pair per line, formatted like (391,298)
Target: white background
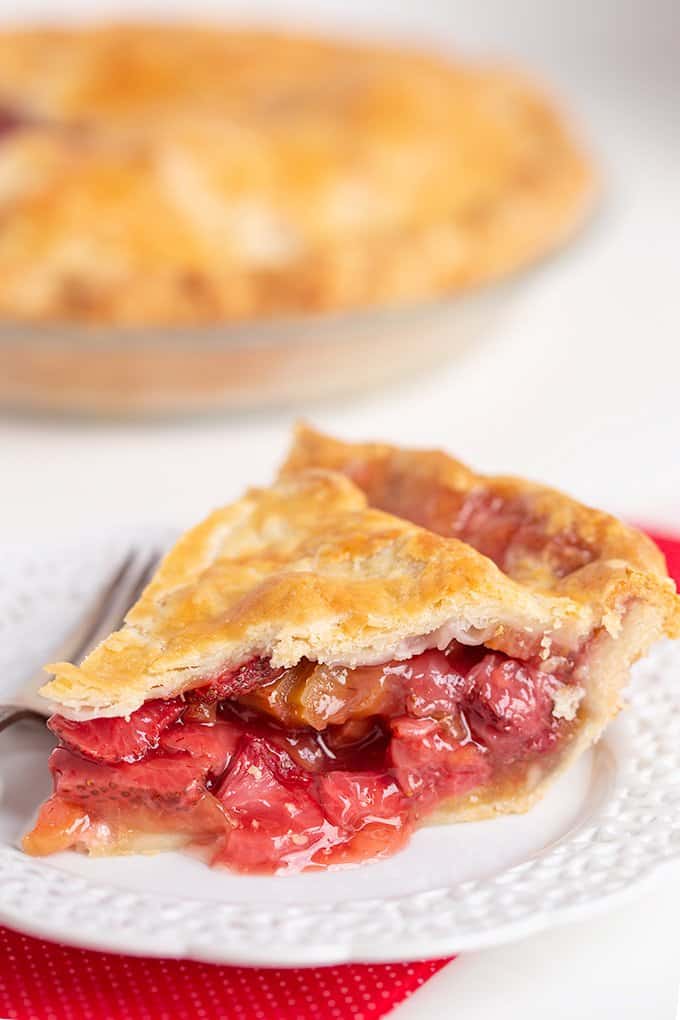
(579,386)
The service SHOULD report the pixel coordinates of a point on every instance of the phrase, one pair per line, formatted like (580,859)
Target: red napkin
(44,981)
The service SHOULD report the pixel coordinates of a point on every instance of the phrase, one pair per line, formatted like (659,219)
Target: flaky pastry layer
(306,569)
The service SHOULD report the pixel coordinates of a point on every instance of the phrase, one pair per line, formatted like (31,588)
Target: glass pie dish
(114,371)
(197,219)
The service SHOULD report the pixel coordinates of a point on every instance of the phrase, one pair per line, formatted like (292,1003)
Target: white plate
(606,826)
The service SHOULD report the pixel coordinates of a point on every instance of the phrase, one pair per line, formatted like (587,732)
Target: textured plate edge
(330,955)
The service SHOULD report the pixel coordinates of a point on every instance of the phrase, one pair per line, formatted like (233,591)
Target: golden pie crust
(196,175)
(551,541)
(304,569)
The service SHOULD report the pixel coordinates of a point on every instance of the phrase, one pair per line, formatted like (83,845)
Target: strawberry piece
(509,707)
(231,683)
(277,824)
(175,778)
(433,682)
(261,783)
(112,805)
(431,759)
(119,739)
(352,800)
(214,744)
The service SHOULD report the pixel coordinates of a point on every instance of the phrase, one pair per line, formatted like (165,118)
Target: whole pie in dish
(307,679)
(178,175)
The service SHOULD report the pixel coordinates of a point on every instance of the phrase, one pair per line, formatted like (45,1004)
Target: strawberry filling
(280,770)
(508,705)
(119,739)
(233,682)
(434,759)
(213,745)
(277,823)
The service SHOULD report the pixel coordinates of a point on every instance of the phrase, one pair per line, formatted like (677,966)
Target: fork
(105,613)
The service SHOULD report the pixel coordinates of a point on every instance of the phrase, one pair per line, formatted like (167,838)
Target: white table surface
(579,386)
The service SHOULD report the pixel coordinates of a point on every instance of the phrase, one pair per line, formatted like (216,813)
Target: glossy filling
(282,770)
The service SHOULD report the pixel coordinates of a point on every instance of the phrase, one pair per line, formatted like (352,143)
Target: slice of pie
(307,679)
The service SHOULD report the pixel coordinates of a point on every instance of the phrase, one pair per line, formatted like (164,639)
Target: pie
(308,678)
(176,175)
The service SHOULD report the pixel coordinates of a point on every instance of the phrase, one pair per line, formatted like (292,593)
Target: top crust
(535,534)
(180,175)
(305,568)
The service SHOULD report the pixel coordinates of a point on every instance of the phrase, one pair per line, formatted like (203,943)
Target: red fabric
(670,547)
(44,981)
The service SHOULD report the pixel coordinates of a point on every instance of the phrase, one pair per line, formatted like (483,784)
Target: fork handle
(11,714)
